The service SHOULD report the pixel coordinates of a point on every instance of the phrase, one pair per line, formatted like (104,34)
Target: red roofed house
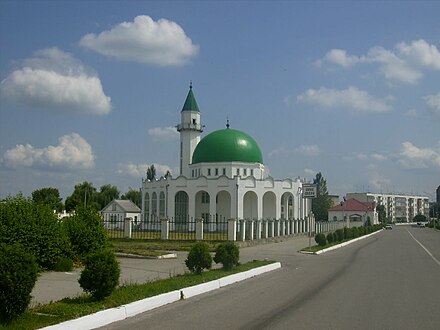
(355,210)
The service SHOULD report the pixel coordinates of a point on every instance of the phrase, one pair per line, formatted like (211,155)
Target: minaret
(190,129)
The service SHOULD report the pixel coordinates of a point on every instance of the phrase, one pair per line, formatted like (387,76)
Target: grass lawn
(71,308)
(155,247)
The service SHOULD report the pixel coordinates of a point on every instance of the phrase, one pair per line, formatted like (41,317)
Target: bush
(36,228)
(340,235)
(86,232)
(101,274)
(320,239)
(63,265)
(18,274)
(355,232)
(228,255)
(199,258)
(330,238)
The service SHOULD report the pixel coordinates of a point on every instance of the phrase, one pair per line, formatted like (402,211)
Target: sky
(92,90)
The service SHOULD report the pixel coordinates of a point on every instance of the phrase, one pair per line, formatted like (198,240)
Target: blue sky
(91,90)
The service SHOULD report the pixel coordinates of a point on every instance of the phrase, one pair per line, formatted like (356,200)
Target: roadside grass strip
(111,315)
(128,300)
(337,246)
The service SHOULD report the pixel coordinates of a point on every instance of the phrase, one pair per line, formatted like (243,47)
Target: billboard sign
(310,190)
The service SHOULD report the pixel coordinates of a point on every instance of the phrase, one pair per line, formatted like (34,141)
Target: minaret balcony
(190,127)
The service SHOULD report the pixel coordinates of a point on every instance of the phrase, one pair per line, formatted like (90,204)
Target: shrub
(101,274)
(36,228)
(355,232)
(63,265)
(18,274)
(340,235)
(199,258)
(86,232)
(348,234)
(228,255)
(320,239)
(330,238)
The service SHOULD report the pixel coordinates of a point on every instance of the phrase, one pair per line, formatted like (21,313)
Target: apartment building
(398,208)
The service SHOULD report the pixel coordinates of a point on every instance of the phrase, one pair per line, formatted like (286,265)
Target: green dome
(227,145)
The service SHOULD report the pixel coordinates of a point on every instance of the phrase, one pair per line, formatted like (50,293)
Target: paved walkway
(53,286)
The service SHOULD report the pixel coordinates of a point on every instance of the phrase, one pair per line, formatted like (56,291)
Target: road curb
(334,247)
(120,313)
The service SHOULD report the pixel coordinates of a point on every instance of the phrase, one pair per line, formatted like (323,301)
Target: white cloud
(144,40)
(378,157)
(421,53)
(55,80)
(433,103)
(309,150)
(339,57)
(140,170)
(163,133)
(414,157)
(352,99)
(72,152)
(405,63)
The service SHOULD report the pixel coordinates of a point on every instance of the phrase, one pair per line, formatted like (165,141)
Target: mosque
(222,176)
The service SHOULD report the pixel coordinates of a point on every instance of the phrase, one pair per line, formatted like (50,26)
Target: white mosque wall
(236,197)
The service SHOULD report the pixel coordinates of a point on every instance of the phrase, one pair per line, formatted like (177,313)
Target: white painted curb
(111,315)
(147,304)
(199,289)
(334,247)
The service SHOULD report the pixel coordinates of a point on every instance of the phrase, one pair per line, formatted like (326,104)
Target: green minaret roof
(190,102)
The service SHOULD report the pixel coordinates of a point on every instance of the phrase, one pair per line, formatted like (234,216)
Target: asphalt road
(388,281)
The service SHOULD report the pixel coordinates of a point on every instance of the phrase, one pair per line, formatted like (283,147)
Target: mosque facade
(222,177)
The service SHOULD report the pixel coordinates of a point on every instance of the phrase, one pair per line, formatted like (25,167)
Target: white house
(222,176)
(117,210)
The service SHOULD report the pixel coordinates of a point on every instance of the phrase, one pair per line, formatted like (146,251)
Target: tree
(420,218)
(380,209)
(36,228)
(434,210)
(48,196)
(85,231)
(106,194)
(151,173)
(83,194)
(322,202)
(134,195)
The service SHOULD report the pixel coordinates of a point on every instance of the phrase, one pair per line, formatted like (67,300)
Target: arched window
(162,204)
(153,205)
(147,207)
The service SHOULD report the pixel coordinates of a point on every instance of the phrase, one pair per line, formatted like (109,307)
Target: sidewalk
(53,286)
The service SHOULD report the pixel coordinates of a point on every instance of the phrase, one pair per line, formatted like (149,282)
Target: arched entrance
(181,208)
(250,205)
(269,205)
(287,205)
(202,205)
(223,206)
